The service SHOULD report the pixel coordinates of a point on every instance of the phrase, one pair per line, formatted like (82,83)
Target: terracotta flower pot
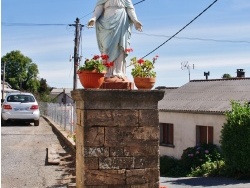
(91,79)
(144,83)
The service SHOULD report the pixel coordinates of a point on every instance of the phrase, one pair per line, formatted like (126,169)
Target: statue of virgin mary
(113,20)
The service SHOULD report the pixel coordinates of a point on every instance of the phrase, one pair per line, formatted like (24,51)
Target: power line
(180,29)
(191,38)
(139,2)
(31,24)
(93,11)
(147,34)
(86,15)
(45,24)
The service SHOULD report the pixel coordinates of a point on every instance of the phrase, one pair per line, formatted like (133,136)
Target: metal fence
(61,114)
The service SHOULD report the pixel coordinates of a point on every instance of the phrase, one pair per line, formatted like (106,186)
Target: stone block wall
(117,138)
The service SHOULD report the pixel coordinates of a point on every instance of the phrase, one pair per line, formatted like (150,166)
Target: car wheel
(36,122)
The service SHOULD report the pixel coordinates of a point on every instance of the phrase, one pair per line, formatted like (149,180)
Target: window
(166,134)
(20,98)
(204,135)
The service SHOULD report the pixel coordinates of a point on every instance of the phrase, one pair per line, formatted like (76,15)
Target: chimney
(240,73)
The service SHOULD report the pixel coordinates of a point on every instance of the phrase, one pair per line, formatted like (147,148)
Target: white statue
(113,20)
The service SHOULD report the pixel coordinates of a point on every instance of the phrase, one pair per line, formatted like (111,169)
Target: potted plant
(91,73)
(143,73)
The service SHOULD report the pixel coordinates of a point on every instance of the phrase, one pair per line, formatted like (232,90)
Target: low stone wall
(117,135)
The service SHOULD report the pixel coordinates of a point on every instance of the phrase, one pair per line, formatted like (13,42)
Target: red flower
(104,57)
(96,57)
(140,61)
(110,64)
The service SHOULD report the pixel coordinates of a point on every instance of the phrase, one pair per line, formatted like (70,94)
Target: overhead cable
(93,11)
(180,30)
(31,24)
(194,38)
(36,24)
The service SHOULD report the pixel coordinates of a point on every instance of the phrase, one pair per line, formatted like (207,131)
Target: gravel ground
(199,182)
(24,158)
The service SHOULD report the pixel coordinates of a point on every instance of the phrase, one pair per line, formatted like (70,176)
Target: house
(194,113)
(6,88)
(58,95)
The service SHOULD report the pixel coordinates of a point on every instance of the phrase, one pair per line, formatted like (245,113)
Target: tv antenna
(186,66)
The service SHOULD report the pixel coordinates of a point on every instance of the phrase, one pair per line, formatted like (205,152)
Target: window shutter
(210,135)
(203,134)
(170,134)
(165,134)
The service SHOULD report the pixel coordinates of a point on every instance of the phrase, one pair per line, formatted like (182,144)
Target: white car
(20,106)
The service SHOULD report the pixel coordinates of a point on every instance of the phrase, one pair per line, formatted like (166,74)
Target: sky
(218,41)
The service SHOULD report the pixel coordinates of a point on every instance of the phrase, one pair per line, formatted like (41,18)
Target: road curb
(64,134)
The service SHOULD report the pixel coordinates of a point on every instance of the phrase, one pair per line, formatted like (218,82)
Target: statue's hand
(138,26)
(91,23)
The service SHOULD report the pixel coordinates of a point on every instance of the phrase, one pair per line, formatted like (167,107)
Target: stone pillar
(117,138)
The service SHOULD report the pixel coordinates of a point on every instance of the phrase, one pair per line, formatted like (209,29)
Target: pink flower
(128,50)
(155,58)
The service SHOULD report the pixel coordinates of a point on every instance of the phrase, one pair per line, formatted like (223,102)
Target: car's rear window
(20,98)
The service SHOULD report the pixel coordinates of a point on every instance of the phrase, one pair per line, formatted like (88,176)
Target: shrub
(204,160)
(216,168)
(235,140)
(194,157)
(171,167)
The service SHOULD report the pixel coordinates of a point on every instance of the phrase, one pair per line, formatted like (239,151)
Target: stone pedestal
(117,138)
(118,85)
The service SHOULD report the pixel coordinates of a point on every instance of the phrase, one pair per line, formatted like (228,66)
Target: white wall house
(194,113)
(61,94)
(6,88)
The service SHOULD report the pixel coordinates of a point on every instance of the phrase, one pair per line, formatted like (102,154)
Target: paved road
(24,157)
(203,182)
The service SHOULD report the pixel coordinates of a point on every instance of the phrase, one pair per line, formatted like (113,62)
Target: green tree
(226,75)
(20,72)
(235,140)
(44,91)
(44,88)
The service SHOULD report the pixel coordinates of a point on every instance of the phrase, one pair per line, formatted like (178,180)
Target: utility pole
(78,28)
(3,81)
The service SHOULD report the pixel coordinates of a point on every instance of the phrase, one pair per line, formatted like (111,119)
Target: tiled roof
(56,91)
(212,96)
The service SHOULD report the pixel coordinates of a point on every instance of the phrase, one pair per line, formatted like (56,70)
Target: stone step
(53,154)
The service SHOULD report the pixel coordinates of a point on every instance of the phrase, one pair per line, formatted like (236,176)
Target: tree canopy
(20,72)
(226,75)
(235,140)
